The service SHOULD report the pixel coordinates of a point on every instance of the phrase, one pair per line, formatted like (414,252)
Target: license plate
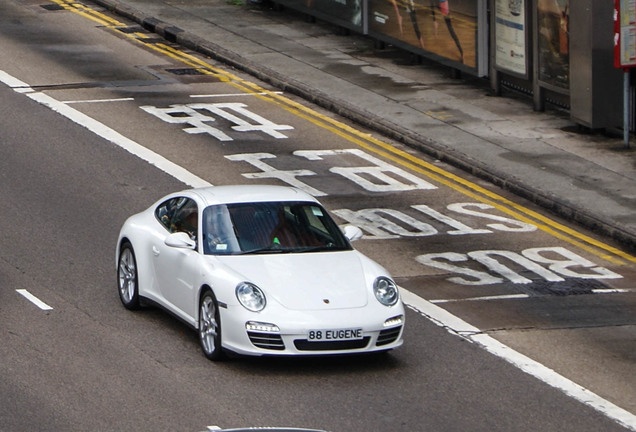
(335,334)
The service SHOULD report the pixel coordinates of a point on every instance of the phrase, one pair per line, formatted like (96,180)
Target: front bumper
(289,336)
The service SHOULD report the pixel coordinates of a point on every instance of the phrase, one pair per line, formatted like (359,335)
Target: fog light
(396,320)
(261,327)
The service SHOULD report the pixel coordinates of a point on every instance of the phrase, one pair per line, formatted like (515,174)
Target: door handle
(155,251)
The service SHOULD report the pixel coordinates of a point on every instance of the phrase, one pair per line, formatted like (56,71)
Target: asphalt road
(88,364)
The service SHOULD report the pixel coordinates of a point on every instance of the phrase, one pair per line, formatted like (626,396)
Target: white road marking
(459,327)
(484,298)
(519,296)
(98,100)
(14,83)
(439,316)
(199,116)
(609,291)
(235,94)
(33,299)
(105,132)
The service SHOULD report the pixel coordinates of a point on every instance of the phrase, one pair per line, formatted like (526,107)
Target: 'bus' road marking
(33,299)
(439,316)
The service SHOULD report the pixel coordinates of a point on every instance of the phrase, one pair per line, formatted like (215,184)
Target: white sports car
(258,270)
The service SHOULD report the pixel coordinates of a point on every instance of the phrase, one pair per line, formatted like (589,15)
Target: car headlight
(250,296)
(385,291)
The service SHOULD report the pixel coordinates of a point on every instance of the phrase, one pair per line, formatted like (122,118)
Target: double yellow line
(367,142)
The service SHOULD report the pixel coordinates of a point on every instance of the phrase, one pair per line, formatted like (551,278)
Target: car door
(177,269)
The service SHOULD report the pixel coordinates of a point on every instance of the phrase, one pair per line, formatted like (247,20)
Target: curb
(369,120)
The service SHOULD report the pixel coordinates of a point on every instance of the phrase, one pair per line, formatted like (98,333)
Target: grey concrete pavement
(589,178)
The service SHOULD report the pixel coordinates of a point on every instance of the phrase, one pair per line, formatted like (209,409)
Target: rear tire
(210,327)
(127,277)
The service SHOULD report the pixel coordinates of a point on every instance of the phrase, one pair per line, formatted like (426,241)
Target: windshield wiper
(299,249)
(263,250)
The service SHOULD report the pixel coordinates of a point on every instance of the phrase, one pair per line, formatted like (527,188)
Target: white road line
(459,327)
(236,94)
(98,100)
(14,83)
(484,298)
(33,299)
(105,132)
(519,296)
(609,291)
(439,316)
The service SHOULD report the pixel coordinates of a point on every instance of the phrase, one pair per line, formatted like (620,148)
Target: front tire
(127,277)
(210,327)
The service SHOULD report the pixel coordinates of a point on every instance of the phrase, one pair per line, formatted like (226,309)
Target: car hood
(306,281)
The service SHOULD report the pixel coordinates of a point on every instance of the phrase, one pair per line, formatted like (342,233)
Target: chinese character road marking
(193,115)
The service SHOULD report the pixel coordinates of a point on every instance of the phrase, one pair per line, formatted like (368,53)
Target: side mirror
(180,240)
(352,232)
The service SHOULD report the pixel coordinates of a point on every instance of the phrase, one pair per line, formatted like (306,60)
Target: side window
(186,219)
(179,215)
(166,210)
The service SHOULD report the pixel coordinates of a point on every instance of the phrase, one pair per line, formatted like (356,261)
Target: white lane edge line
(33,299)
(14,83)
(434,313)
(459,327)
(105,132)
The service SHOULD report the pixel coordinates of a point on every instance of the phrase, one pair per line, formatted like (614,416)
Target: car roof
(249,193)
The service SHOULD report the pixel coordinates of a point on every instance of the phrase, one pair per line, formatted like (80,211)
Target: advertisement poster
(446,28)
(625,33)
(347,13)
(510,36)
(554,40)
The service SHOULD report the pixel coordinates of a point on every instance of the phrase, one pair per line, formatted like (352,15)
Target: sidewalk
(589,178)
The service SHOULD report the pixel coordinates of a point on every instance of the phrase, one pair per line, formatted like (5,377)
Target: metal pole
(626,107)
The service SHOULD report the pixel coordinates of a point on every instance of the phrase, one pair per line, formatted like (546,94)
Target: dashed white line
(33,299)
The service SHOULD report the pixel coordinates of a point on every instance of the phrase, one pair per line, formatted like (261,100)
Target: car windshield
(270,227)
